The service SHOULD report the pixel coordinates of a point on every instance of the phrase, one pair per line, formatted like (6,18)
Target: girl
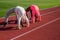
(20,14)
(34,11)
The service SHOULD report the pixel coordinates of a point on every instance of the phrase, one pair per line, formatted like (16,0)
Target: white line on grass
(35,29)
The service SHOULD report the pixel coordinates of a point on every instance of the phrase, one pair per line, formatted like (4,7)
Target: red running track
(47,29)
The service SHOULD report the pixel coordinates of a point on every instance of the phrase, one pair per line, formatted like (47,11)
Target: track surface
(47,29)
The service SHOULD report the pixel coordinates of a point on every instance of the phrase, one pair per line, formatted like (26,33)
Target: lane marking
(34,29)
(50,7)
(50,12)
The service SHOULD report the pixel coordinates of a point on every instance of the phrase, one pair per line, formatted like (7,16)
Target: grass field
(6,4)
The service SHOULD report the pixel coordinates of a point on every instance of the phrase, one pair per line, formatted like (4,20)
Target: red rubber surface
(48,32)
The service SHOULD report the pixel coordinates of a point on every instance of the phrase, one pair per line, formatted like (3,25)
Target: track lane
(48,32)
(9,32)
(46,19)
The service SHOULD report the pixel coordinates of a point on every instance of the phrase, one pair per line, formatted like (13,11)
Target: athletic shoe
(5,23)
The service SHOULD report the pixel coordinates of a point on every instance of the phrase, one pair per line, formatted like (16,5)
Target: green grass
(7,4)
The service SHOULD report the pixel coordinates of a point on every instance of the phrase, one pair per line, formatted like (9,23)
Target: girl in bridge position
(34,12)
(20,14)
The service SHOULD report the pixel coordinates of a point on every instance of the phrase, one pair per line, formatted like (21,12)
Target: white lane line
(34,29)
(50,7)
(50,12)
